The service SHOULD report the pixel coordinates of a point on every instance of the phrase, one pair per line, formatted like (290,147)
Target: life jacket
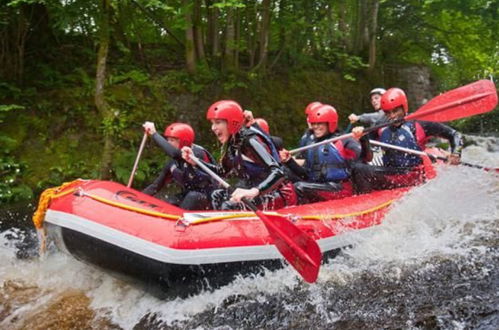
(327,163)
(409,135)
(307,138)
(191,177)
(251,169)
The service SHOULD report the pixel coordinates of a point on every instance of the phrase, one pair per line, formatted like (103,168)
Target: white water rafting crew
(326,171)
(400,168)
(372,118)
(248,154)
(196,186)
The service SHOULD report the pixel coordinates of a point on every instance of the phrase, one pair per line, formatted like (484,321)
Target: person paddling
(251,156)
(402,169)
(372,118)
(325,174)
(196,186)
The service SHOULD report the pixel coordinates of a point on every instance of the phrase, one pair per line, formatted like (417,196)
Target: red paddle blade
(472,99)
(299,249)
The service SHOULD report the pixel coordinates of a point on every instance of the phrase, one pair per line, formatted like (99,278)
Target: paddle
(422,153)
(469,100)
(142,144)
(299,249)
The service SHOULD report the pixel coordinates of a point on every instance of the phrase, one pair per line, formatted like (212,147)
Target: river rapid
(434,263)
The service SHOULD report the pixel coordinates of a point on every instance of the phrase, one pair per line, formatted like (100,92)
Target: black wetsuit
(196,185)
(249,157)
(369,177)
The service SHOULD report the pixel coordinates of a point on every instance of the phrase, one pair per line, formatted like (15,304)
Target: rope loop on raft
(45,199)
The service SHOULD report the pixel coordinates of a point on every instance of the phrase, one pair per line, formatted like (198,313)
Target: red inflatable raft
(180,252)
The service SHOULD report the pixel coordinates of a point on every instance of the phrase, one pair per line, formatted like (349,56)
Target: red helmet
(311,106)
(183,132)
(325,114)
(227,110)
(263,125)
(394,98)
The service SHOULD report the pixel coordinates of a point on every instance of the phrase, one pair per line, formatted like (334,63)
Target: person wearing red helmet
(308,137)
(263,125)
(372,118)
(325,173)
(251,156)
(196,186)
(399,168)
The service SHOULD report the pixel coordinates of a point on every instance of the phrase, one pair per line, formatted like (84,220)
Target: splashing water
(432,263)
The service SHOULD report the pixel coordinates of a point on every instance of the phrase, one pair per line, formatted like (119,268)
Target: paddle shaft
(304,248)
(210,172)
(142,144)
(344,136)
(422,153)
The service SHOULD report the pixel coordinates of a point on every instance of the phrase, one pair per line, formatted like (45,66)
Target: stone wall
(415,80)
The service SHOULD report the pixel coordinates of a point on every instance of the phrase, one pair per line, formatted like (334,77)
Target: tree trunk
(228,63)
(252,30)
(342,24)
(213,39)
(190,50)
(198,32)
(282,33)
(100,79)
(237,37)
(264,36)
(372,25)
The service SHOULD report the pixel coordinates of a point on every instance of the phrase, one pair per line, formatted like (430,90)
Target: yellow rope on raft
(303,217)
(133,208)
(45,199)
(52,193)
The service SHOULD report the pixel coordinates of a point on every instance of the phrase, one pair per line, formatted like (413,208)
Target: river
(433,264)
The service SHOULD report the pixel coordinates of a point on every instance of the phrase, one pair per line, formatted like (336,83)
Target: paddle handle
(134,169)
(210,172)
(409,151)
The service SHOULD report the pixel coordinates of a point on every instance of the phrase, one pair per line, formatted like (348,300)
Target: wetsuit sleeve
(276,175)
(440,130)
(160,181)
(298,170)
(366,154)
(371,118)
(352,148)
(167,147)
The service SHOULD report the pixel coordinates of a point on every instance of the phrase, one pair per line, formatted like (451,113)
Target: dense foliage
(79,77)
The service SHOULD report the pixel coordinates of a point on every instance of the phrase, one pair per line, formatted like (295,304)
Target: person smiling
(326,171)
(251,156)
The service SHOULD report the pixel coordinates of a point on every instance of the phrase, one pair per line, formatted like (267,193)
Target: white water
(441,218)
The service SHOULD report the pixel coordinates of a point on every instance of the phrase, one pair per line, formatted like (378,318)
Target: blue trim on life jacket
(403,136)
(325,163)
